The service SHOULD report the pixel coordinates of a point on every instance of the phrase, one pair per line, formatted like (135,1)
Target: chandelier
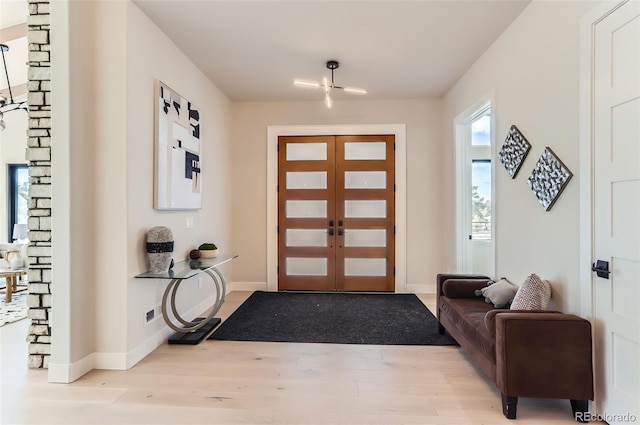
(8,105)
(328,86)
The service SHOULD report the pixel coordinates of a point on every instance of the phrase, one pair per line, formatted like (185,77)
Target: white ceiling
(252,50)
(13,12)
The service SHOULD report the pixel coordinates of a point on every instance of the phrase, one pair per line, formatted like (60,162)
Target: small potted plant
(208,250)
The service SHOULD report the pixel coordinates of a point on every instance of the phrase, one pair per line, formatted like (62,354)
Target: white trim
(247,286)
(400,132)
(64,373)
(587,29)
(587,184)
(69,372)
(60,368)
(462,171)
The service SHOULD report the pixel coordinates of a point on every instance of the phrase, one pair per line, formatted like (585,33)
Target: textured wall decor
(514,151)
(548,178)
(178,179)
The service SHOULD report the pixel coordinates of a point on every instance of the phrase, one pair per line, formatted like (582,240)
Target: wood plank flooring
(229,382)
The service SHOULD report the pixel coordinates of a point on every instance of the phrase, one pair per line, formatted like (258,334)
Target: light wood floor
(227,382)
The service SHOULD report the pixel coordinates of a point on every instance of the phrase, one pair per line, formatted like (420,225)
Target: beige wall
(425,173)
(103,191)
(534,69)
(150,56)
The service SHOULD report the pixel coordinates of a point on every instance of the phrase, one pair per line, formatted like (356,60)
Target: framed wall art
(178,160)
(514,151)
(549,178)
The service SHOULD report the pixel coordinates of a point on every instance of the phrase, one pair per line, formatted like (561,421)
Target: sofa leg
(509,405)
(440,329)
(580,408)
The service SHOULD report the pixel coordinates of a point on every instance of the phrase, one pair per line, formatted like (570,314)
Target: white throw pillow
(499,293)
(533,294)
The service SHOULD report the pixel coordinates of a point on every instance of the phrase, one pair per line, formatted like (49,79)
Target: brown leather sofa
(526,353)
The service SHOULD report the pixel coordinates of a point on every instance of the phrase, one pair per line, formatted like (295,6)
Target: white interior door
(616,126)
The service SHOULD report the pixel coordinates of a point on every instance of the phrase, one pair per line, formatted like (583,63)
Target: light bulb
(355,90)
(301,83)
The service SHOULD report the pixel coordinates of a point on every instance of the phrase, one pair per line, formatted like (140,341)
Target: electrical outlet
(189,223)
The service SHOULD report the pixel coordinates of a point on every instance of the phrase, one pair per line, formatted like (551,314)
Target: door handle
(340,232)
(601,268)
(330,231)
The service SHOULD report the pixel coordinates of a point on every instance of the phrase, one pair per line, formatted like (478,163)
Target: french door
(336,213)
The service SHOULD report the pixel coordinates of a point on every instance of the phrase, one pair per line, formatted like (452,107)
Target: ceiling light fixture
(328,86)
(11,105)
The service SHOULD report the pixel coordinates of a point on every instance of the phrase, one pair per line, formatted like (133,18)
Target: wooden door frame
(398,130)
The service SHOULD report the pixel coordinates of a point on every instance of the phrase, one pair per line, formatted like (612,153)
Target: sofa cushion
(468,316)
(500,293)
(533,294)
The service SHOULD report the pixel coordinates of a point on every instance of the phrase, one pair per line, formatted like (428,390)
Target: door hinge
(394,271)
(394,146)
(278,147)
(394,229)
(394,188)
(278,188)
(277,229)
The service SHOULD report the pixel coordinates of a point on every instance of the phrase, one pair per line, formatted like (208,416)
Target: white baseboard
(66,373)
(247,286)
(421,288)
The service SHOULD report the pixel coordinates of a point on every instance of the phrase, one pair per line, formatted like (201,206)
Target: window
(18,196)
(481,199)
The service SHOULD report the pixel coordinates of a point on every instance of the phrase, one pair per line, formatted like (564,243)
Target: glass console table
(195,331)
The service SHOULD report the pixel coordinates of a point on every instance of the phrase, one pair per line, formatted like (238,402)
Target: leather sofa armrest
(441,278)
(544,354)
(490,317)
(462,288)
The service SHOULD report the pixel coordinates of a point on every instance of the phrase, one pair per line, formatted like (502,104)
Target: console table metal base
(197,336)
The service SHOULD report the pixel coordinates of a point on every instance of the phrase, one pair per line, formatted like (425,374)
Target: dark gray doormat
(339,318)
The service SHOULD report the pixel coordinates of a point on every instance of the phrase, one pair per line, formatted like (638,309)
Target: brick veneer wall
(39,157)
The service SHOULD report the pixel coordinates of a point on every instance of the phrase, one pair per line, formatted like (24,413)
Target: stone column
(39,157)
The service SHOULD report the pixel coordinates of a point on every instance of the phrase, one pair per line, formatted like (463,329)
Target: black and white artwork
(178,161)
(548,178)
(514,151)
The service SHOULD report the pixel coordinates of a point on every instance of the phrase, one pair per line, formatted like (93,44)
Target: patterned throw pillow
(533,294)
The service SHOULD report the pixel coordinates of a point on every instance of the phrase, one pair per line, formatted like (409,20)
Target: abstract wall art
(178,159)
(514,151)
(548,178)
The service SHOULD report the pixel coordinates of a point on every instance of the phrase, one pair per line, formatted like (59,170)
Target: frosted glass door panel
(365,209)
(306,151)
(365,180)
(306,179)
(306,266)
(365,151)
(365,238)
(365,266)
(306,209)
(306,237)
